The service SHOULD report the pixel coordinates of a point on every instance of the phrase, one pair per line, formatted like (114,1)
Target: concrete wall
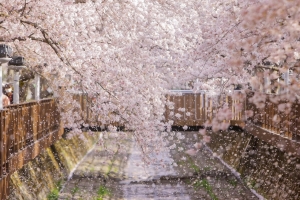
(273,173)
(44,175)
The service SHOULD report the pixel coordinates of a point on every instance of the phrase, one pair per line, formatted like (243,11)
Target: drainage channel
(123,176)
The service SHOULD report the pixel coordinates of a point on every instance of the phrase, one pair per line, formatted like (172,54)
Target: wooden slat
(25,130)
(167,109)
(189,101)
(293,121)
(198,110)
(296,133)
(179,103)
(4,187)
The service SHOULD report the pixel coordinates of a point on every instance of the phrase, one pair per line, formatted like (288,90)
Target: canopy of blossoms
(126,55)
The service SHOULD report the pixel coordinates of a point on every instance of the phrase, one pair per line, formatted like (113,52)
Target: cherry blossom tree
(246,35)
(123,56)
(126,55)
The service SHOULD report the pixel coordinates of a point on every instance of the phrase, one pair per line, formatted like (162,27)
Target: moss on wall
(46,172)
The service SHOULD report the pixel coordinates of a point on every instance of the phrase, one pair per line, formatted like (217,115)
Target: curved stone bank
(43,177)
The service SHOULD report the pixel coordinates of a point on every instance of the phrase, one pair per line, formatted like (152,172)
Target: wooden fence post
(4,153)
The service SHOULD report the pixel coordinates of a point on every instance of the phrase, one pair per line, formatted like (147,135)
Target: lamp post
(287,80)
(37,81)
(16,64)
(5,57)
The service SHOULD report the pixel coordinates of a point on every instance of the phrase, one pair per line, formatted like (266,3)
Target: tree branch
(54,45)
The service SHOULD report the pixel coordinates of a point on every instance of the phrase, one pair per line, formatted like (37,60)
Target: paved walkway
(122,176)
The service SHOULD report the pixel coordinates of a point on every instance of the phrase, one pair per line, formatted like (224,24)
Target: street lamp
(16,64)
(37,80)
(5,56)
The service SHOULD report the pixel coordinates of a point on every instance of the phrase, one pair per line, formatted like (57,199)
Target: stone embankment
(266,168)
(43,177)
(260,166)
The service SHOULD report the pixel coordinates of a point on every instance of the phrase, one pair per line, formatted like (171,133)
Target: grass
(74,190)
(53,195)
(206,168)
(205,184)
(252,184)
(233,182)
(195,168)
(102,192)
(92,169)
(200,183)
(249,182)
(180,163)
(193,165)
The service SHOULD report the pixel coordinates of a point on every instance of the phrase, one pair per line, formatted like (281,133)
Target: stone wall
(44,176)
(273,173)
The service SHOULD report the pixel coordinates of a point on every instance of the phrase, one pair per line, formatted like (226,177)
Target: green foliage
(232,182)
(193,165)
(102,192)
(74,190)
(205,184)
(206,168)
(59,184)
(180,163)
(252,184)
(55,192)
(92,169)
(195,168)
(249,182)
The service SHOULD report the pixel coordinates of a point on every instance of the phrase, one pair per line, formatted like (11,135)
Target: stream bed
(122,175)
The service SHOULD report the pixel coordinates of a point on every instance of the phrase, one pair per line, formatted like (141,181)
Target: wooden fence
(89,117)
(284,121)
(196,109)
(26,130)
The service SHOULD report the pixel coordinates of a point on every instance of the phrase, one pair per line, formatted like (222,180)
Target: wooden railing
(84,102)
(26,129)
(284,122)
(90,118)
(196,109)
(277,124)
(268,123)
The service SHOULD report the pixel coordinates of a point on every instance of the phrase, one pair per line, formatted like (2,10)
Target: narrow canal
(122,175)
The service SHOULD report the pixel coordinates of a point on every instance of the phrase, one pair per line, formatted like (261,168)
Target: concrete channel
(122,175)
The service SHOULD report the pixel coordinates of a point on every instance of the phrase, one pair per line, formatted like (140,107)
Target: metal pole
(37,86)
(1,95)
(2,61)
(278,88)
(286,80)
(16,86)
(267,85)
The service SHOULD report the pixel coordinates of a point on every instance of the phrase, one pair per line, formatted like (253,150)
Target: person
(8,92)
(5,100)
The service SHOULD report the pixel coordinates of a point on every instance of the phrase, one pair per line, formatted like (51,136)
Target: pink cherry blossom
(191,152)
